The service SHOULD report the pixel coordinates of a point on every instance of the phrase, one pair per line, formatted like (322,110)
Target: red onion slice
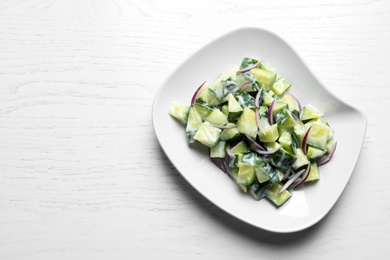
(286,174)
(257,99)
(246,85)
(270,113)
(305,175)
(304,141)
(291,181)
(263,152)
(196,93)
(248,69)
(327,158)
(251,140)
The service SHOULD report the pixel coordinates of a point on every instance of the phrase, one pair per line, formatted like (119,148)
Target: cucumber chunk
(219,150)
(194,122)
(208,134)
(264,78)
(240,147)
(246,123)
(309,112)
(273,195)
(280,86)
(216,117)
(179,111)
(314,174)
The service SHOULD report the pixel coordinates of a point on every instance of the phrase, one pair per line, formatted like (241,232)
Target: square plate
(310,203)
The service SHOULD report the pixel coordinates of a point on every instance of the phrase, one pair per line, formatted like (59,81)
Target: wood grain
(81,173)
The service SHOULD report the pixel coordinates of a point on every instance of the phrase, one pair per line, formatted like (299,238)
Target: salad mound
(257,132)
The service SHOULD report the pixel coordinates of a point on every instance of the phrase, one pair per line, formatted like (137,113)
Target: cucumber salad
(257,132)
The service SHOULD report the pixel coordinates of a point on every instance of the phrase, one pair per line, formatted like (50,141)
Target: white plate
(309,204)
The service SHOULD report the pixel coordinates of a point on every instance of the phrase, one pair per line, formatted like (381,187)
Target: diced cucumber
(268,98)
(301,159)
(271,146)
(246,123)
(242,187)
(263,170)
(299,130)
(263,111)
(264,78)
(179,111)
(269,133)
(282,159)
(284,119)
(329,145)
(318,135)
(248,159)
(234,163)
(280,86)
(240,147)
(229,134)
(194,122)
(309,112)
(245,99)
(225,110)
(266,67)
(313,152)
(247,62)
(208,134)
(202,109)
(216,117)
(234,108)
(278,106)
(314,173)
(285,140)
(243,78)
(202,95)
(257,190)
(273,195)
(291,102)
(246,175)
(219,150)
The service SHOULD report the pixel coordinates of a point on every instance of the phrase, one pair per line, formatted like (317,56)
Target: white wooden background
(81,173)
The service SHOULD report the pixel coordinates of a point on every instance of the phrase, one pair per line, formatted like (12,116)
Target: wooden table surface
(82,175)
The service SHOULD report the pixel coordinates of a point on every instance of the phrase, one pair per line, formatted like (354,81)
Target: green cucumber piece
(313,152)
(310,112)
(314,174)
(179,111)
(284,119)
(234,108)
(246,123)
(264,78)
(282,159)
(301,159)
(193,123)
(273,195)
(318,135)
(285,140)
(241,147)
(202,109)
(219,150)
(269,133)
(246,175)
(280,86)
(208,134)
(216,117)
(245,99)
(230,134)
